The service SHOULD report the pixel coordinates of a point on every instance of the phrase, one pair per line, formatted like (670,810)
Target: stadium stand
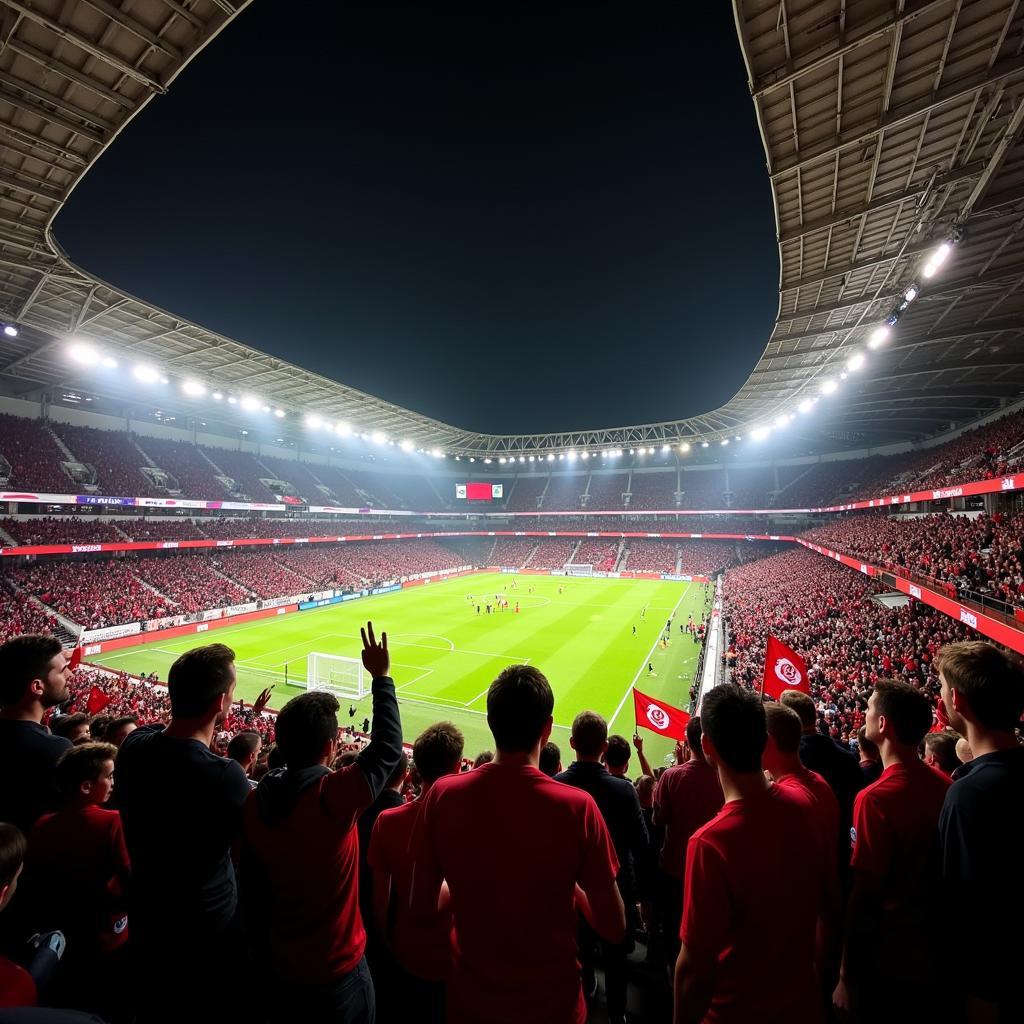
(598,552)
(50,530)
(112,454)
(565,492)
(521,495)
(650,556)
(194,474)
(703,488)
(245,470)
(552,553)
(653,490)
(606,490)
(32,455)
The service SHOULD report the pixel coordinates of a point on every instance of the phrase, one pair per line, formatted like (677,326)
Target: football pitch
(444,654)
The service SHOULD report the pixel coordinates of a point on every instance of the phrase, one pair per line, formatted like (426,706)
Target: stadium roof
(889,126)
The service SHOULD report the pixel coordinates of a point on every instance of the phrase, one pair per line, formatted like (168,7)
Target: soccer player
(634,631)
(517,607)
(890,968)
(650,669)
(520,853)
(748,938)
(981,829)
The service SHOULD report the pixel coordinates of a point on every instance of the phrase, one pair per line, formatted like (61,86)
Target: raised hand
(260,703)
(638,742)
(376,659)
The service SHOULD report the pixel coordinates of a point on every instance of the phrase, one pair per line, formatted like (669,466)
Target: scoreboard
(479,492)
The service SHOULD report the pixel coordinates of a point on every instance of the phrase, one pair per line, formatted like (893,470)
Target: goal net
(579,570)
(344,677)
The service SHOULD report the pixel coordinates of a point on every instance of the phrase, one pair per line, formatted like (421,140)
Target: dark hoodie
(300,855)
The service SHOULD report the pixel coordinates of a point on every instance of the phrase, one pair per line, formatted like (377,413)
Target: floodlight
(146,373)
(828,386)
(522,458)
(406,446)
(806,405)
(83,354)
(665,448)
(218,395)
(856,361)
(378,437)
(279,413)
(725,441)
(109,362)
(760,433)
(704,444)
(232,400)
(571,456)
(502,460)
(910,294)
(10,330)
(585,455)
(684,447)
(250,403)
(343,429)
(551,457)
(314,421)
(193,388)
(879,336)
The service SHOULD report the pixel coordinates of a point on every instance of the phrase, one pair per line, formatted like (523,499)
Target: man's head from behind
(940,751)
(550,759)
(897,713)
(981,685)
(519,706)
(307,730)
(802,704)
(12,857)
(781,754)
(618,754)
(244,747)
(201,683)
(33,673)
(693,734)
(589,736)
(438,751)
(734,729)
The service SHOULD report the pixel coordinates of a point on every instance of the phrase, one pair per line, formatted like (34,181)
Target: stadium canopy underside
(889,127)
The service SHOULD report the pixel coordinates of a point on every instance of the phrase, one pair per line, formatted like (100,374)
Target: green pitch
(444,655)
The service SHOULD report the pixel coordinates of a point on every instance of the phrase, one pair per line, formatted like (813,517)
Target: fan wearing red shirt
(520,853)
(300,854)
(687,796)
(82,845)
(424,952)
(755,876)
(889,967)
(16,985)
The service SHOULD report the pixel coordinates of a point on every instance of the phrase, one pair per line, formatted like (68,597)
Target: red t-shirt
(425,951)
(512,844)
(737,907)
(83,847)
(823,800)
(895,840)
(686,797)
(307,866)
(16,985)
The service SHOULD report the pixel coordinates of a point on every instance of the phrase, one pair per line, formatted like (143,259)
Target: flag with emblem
(784,670)
(659,717)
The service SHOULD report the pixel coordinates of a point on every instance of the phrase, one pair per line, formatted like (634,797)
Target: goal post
(575,569)
(344,677)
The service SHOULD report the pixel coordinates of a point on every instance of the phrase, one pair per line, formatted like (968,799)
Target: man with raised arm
(300,854)
(520,853)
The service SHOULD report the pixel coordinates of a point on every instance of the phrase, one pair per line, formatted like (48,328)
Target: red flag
(76,658)
(97,701)
(784,669)
(659,717)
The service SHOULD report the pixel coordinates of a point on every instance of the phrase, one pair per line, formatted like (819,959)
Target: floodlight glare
(585,455)
(83,354)
(684,447)
(146,373)
(109,362)
(704,444)
(218,395)
(502,460)
(828,387)
(725,441)
(406,446)
(665,448)
(232,400)
(250,403)
(279,413)
(551,457)
(10,330)
(193,388)
(378,437)
(781,421)
(910,294)
(522,458)
(879,336)
(759,433)
(487,462)
(806,405)
(314,421)
(343,429)
(856,361)
(571,456)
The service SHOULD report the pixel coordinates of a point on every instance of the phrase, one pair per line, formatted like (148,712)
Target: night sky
(510,218)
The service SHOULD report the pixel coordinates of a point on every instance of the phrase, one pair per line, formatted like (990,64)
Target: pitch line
(643,664)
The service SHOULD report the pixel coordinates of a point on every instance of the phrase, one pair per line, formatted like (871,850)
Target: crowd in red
(825,612)
(978,554)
